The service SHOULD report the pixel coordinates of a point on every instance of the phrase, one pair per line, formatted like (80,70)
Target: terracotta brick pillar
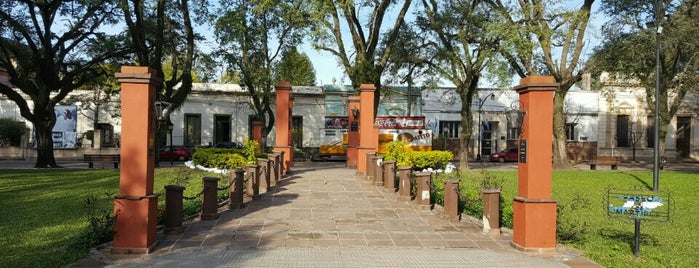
(136,206)
(236,191)
(266,173)
(534,211)
(283,123)
(424,183)
(257,134)
(174,209)
(353,134)
(368,134)
(404,188)
(451,200)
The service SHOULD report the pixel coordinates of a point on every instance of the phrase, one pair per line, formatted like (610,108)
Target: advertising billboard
(65,130)
(408,129)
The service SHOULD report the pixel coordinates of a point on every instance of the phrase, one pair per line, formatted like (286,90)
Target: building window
(622,131)
(449,129)
(513,133)
(570,131)
(192,129)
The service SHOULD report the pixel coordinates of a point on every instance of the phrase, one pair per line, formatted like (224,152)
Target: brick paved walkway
(325,212)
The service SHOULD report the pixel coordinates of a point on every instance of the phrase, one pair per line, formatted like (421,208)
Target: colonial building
(612,121)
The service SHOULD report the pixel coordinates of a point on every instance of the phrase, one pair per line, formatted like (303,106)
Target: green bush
(471,185)
(101,224)
(419,160)
(250,148)
(430,159)
(570,229)
(228,158)
(398,152)
(11,132)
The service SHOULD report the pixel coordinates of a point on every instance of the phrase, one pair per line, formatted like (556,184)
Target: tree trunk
(465,135)
(560,154)
(464,144)
(44,145)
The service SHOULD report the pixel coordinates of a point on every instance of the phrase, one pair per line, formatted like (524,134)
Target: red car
(505,155)
(178,152)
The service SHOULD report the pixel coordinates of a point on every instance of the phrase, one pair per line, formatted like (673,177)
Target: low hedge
(228,158)
(419,160)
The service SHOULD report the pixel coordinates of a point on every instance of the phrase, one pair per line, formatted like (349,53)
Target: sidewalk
(325,216)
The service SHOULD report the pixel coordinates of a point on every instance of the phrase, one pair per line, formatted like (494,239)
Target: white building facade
(597,122)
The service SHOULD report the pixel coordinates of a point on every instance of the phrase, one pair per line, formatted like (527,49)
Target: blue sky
(326,65)
(327,69)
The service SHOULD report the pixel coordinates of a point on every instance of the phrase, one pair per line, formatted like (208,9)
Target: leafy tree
(296,68)
(367,54)
(537,31)
(630,51)
(252,37)
(101,90)
(461,51)
(48,49)
(162,32)
(409,62)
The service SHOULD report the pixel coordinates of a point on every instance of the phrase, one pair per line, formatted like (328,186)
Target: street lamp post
(656,121)
(170,126)
(480,110)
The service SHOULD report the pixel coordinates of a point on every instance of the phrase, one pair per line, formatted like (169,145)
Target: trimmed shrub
(419,160)
(430,159)
(396,150)
(228,158)
(11,132)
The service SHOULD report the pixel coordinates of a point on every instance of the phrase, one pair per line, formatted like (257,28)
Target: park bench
(101,158)
(612,161)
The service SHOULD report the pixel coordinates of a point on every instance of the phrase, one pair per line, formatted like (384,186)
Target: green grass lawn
(42,212)
(610,242)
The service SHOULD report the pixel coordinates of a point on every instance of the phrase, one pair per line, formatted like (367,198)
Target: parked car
(509,155)
(175,152)
(228,144)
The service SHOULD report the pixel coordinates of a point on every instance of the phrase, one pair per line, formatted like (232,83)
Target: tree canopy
(295,68)
(50,48)
(546,38)
(365,55)
(252,36)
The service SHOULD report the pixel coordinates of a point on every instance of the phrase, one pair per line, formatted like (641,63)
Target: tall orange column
(136,206)
(257,134)
(534,210)
(368,133)
(353,134)
(283,123)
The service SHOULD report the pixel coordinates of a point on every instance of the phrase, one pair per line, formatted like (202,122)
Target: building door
(297,131)
(192,129)
(487,143)
(222,128)
(683,136)
(622,131)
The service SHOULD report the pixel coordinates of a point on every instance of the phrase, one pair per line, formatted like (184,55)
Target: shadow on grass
(629,236)
(639,179)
